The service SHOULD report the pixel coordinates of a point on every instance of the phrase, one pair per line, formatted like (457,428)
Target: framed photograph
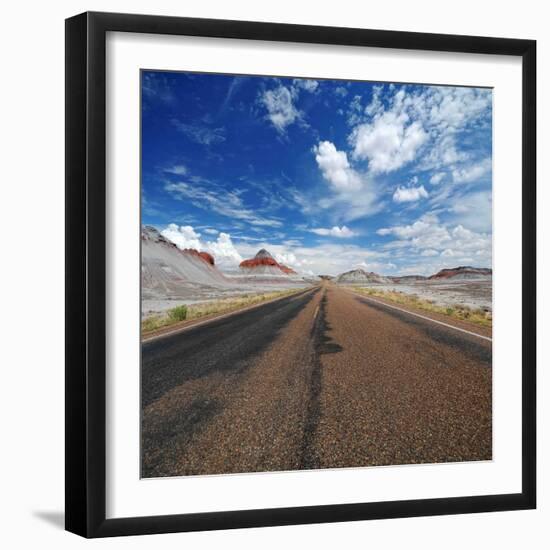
(300,274)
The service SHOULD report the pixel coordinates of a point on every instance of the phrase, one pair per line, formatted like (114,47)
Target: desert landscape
(316,274)
(172,277)
(298,370)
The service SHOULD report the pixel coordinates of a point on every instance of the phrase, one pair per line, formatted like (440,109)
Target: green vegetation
(178,313)
(184,312)
(464,313)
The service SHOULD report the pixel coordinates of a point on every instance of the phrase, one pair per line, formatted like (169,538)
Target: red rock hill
(264,259)
(203,255)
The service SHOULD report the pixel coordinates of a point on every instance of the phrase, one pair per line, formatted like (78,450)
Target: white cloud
(341,91)
(375,106)
(340,232)
(389,142)
(354,194)
(409,194)
(473,172)
(279,103)
(453,107)
(177,170)
(443,153)
(306,84)
(392,130)
(211,231)
(355,111)
(437,178)
(224,252)
(221,201)
(203,135)
(428,237)
(377,267)
(286,258)
(183,236)
(335,167)
(426,232)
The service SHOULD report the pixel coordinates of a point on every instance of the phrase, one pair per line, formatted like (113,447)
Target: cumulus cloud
(281,110)
(335,167)
(184,236)
(354,196)
(428,237)
(340,232)
(424,232)
(393,129)
(410,194)
(389,142)
(287,258)
(223,249)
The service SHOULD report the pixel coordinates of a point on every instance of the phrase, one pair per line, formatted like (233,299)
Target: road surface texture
(323,379)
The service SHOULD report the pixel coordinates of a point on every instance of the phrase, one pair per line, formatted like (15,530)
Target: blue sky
(328,175)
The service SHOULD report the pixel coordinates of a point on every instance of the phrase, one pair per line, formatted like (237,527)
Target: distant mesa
(463,272)
(408,278)
(362,276)
(265,264)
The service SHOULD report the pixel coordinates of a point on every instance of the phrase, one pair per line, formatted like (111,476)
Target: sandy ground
(154,302)
(474,294)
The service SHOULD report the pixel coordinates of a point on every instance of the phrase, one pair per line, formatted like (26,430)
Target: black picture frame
(86,274)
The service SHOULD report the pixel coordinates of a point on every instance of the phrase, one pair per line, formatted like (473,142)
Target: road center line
(424,317)
(316,312)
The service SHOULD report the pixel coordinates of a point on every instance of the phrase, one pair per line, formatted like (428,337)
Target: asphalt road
(325,379)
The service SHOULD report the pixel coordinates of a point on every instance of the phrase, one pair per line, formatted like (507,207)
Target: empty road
(324,379)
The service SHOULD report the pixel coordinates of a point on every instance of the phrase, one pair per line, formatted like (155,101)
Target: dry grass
(203,309)
(478,316)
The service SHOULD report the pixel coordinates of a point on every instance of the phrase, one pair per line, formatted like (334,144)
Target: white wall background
(31,272)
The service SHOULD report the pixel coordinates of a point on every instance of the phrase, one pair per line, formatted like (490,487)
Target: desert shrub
(178,313)
(152,323)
